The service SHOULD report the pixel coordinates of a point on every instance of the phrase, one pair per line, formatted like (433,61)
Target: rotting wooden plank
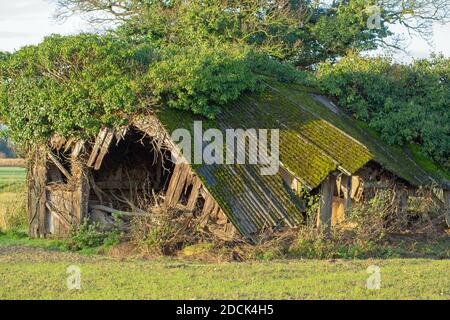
(355,186)
(172,184)
(193,197)
(81,194)
(346,188)
(59,165)
(37,194)
(178,191)
(207,208)
(326,203)
(98,143)
(77,149)
(222,217)
(59,216)
(104,149)
(42,177)
(68,144)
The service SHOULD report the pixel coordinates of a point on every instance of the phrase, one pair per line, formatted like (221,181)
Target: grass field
(11,179)
(37,269)
(12,197)
(33,273)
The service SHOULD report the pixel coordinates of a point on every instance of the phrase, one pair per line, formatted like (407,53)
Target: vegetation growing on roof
(202,78)
(406,104)
(70,85)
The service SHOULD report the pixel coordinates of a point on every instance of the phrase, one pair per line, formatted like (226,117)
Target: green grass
(38,274)
(12,179)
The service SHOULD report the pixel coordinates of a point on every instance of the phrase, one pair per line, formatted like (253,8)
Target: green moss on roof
(416,169)
(314,141)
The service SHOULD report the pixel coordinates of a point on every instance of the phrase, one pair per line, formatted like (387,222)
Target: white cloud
(25,22)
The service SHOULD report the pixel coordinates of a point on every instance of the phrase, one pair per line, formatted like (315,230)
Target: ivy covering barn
(94,113)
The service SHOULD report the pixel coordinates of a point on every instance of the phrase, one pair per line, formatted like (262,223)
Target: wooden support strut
(59,165)
(98,144)
(326,203)
(346,188)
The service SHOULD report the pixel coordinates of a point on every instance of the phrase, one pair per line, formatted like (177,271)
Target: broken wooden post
(326,203)
(37,195)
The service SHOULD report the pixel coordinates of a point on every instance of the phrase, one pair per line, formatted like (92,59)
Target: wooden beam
(192,201)
(37,194)
(104,149)
(346,188)
(60,217)
(137,213)
(326,203)
(59,165)
(98,143)
(77,149)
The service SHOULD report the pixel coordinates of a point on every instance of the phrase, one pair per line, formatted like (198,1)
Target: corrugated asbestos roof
(314,141)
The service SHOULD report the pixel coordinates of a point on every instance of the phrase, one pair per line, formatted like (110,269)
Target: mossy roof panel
(395,159)
(314,141)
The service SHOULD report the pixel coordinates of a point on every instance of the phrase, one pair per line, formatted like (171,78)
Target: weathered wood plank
(104,149)
(60,217)
(172,184)
(59,165)
(77,149)
(195,192)
(326,203)
(346,189)
(98,143)
(178,191)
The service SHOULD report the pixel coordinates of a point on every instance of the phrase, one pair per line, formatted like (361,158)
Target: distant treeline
(5,150)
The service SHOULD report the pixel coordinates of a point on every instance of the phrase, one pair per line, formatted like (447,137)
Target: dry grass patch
(16,163)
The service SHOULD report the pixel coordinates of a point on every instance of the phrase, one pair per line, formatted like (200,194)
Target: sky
(25,22)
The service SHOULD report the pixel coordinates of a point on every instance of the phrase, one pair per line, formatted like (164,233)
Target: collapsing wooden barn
(321,150)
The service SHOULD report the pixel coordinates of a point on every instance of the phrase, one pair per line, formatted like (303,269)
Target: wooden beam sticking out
(326,203)
(104,149)
(139,213)
(98,144)
(59,165)
(77,149)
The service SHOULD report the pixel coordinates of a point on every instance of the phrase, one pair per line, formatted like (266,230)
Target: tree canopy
(201,55)
(407,104)
(304,32)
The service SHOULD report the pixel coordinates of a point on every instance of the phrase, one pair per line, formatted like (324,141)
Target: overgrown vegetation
(407,104)
(90,235)
(71,85)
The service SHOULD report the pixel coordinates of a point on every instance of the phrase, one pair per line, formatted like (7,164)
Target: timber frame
(62,190)
(70,180)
